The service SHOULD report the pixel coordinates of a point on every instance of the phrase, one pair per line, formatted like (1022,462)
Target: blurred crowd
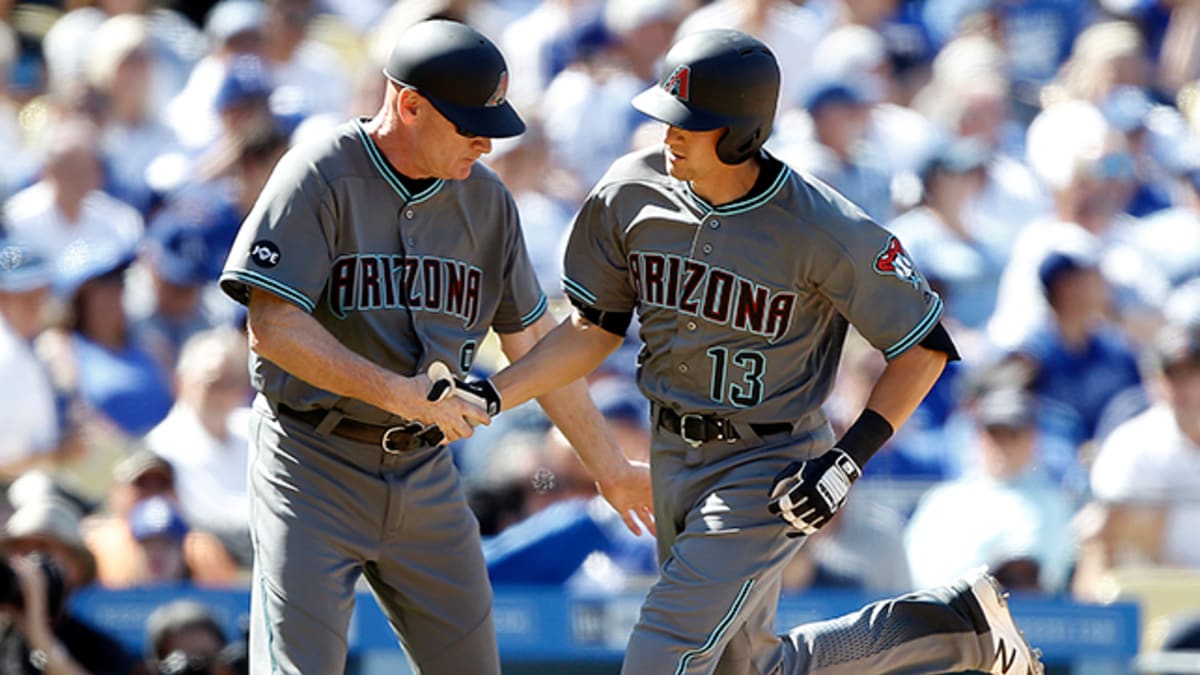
(1040,160)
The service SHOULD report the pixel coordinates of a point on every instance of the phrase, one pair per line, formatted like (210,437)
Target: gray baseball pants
(722,555)
(326,510)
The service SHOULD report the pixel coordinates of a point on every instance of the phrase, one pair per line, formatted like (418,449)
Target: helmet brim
(664,107)
(499,121)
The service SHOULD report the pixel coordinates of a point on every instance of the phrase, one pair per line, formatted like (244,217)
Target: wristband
(866,436)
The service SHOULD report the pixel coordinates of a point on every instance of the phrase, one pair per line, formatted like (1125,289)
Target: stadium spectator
(49,528)
(27,412)
(19,163)
(160,531)
(205,436)
(310,77)
(115,390)
(1005,512)
(1082,368)
(962,269)
(183,631)
(1146,477)
(178,260)
(119,72)
(139,477)
(67,205)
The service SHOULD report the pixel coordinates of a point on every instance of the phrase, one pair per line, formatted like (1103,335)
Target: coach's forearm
(568,352)
(290,338)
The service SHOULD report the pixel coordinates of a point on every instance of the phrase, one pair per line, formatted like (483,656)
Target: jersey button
(714,224)
(409,214)
(707,248)
(691,325)
(683,368)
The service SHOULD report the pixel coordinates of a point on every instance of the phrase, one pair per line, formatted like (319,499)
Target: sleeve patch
(894,260)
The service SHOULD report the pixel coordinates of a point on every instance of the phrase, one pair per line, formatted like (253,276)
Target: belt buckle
(694,441)
(385,441)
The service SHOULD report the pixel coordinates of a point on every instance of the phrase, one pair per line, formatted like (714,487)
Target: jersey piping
(916,334)
(742,205)
(389,172)
(535,313)
(271,285)
(575,288)
(722,626)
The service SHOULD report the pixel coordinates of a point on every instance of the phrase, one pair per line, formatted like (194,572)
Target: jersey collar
(763,191)
(389,172)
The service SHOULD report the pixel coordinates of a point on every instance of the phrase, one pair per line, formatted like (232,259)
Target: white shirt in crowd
(27,413)
(34,219)
(1149,460)
(210,473)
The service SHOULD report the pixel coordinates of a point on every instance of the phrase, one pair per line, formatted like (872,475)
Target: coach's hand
(807,494)
(629,492)
(454,415)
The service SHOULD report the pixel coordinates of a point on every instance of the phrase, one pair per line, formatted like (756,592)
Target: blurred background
(1040,159)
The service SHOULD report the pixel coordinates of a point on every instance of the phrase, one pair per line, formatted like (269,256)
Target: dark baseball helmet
(715,79)
(462,74)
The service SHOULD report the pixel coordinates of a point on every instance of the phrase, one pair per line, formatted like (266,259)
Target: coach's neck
(393,131)
(728,182)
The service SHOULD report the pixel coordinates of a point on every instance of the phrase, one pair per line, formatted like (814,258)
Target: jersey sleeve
(595,267)
(522,300)
(285,244)
(876,285)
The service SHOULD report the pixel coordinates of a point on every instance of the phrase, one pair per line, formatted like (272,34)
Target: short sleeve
(522,300)
(595,267)
(876,285)
(284,245)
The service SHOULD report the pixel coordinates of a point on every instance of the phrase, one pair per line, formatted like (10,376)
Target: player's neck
(728,183)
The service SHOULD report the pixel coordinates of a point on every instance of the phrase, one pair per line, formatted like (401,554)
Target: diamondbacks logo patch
(894,260)
(679,84)
(501,93)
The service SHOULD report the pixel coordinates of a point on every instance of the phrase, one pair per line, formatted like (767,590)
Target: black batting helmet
(714,79)
(461,72)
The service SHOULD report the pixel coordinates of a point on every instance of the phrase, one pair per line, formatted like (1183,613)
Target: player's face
(447,152)
(692,155)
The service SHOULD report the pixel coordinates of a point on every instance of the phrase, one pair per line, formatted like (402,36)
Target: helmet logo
(679,83)
(498,96)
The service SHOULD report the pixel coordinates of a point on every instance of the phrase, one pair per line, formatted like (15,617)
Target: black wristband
(866,436)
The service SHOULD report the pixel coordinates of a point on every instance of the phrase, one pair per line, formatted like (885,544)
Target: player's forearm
(904,384)
(293,340)
(567,352)
(573,412)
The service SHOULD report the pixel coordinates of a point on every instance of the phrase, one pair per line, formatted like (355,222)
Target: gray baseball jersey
(743,307)
(403,273)
(402,279)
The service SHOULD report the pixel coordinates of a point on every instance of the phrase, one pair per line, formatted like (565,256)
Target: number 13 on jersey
(743,387)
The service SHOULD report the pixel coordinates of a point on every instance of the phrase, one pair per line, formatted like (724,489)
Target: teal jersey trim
(743,205)
(271,285)
(916,334)
(575,288)
(389,172)
(535,313)
(723,625)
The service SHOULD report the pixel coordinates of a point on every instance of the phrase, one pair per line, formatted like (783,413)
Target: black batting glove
(807,494)
(480,393)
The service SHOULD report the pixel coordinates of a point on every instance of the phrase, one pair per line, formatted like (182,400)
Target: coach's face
(444,151)
(692,155)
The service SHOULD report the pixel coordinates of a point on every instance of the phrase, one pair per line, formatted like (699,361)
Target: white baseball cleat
(1014,655)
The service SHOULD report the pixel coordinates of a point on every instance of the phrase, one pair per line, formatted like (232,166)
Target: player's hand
(630,493)
(455,416)
(807,494)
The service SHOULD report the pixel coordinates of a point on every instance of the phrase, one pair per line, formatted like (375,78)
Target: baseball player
(372,255)
(746,276)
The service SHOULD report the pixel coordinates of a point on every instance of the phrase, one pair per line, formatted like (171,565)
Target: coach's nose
(483,144)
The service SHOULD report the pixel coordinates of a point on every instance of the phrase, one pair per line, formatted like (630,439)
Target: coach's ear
(409,104)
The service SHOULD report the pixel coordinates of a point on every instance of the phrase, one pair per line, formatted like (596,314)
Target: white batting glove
(807,494)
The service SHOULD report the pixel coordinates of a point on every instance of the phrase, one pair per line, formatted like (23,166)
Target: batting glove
(480,393)
(807,494)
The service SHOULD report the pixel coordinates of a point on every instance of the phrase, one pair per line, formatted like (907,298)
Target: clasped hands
(455,406)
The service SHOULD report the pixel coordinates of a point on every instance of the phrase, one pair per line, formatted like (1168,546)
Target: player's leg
(430,576)
(963,626)
(307,507)
(722,572)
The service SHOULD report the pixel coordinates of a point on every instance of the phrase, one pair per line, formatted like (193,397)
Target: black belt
(392,440)
(697,429)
